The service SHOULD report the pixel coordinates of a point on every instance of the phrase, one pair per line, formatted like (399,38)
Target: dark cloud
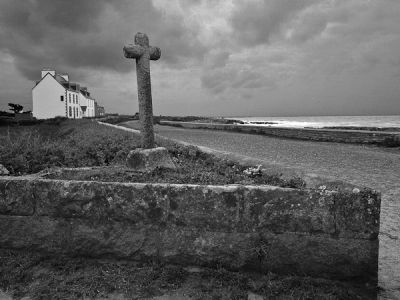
(314,22)
(88,34)
(255,22)
(74,15)
(310,28)
(287,51)
(232,78)
(218,59)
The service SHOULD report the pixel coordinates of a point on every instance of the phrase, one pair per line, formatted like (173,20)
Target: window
(70,111)
(69,98)
(62,98)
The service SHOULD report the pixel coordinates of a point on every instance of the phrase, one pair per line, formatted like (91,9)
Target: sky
(218,57)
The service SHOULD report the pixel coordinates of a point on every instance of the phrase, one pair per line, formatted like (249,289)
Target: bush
(119,119)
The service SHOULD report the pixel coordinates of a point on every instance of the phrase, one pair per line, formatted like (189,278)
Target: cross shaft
(143,53)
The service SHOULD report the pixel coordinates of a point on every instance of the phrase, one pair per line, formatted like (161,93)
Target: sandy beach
(374,167)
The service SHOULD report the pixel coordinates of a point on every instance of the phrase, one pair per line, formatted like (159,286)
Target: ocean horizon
(324,121)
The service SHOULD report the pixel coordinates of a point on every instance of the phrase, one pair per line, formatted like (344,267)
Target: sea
(324,121)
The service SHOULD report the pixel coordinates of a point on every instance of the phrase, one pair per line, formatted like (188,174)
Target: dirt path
(378,168)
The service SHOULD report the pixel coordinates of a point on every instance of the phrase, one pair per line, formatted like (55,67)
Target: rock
(175,296)
(396,140)
(192,269)
(252,296)
(4,296)
(112,296)
(146,160)
(3,170)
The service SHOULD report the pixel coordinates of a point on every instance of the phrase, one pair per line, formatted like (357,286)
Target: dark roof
(71,86)
(60,79)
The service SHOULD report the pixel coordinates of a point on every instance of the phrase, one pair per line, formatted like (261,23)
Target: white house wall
(91,112)
(89,103)
(46,98)
(74,109)
(83,102)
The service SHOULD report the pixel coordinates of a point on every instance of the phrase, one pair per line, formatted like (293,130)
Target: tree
(16,108)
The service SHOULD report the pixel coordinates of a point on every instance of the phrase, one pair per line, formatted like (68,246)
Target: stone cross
(143,53)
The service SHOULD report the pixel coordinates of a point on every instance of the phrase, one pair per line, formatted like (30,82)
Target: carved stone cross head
(141,47)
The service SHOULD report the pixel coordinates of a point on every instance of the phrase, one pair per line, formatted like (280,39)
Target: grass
(83,143)
(48,277)
(119,119)
(63,143)
(194,167)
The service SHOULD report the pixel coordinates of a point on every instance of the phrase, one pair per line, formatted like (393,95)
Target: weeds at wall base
(43,276)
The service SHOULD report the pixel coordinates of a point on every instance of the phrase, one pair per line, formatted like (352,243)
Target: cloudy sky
(219,57)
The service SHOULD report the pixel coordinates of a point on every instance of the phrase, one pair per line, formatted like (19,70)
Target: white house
(54,95)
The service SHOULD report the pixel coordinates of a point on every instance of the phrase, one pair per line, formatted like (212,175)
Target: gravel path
(378,168)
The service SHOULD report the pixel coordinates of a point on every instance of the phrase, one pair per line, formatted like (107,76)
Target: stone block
(286,253)
(147,160)
(16,197)
(3,170)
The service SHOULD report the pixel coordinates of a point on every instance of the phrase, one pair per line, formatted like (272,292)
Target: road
(374,167)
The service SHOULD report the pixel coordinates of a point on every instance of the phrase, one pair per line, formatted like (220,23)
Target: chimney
(65,76)
(48,70)
(75,86)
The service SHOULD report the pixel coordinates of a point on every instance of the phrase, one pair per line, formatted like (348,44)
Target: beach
(388,122)
(371,166)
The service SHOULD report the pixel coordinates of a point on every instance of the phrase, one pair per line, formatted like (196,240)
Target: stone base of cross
(149,157)
(146,160)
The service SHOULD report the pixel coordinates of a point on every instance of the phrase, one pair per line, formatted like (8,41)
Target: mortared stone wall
(314,232)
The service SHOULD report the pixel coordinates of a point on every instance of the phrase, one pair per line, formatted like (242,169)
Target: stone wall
(263,228)
(323,135)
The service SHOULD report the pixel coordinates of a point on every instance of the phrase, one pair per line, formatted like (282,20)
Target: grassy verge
(194,167)
(47,277)
(82,143)
(63,143)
